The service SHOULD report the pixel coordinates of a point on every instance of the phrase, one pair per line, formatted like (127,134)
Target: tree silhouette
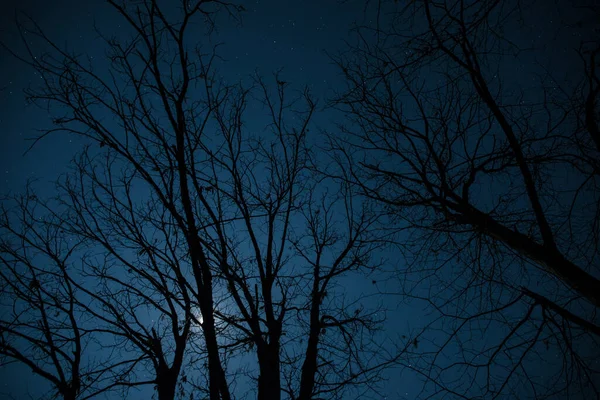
(497,181)
(211,255)
(40,321)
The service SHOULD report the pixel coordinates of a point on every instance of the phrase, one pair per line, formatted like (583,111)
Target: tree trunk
(166,384)
(309,367)
(217,383)
(269,379)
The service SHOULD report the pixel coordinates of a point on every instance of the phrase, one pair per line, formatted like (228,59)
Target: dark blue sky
(273,35)
(294,36)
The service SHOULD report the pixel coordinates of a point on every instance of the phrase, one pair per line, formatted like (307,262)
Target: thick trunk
(69,395)
(166,385)
(218,389)
(70,391)
(217,383)
(166,377)
(269,379)
(309,367)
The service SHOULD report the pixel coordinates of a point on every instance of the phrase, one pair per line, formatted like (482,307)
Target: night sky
(297,38)
(293,36)
(275,35)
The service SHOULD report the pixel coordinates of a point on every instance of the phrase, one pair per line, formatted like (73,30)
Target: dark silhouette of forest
(188,253)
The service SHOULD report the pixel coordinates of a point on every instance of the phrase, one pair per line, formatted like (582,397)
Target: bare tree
(41,325)
(195,225)
(132,274)
(498,183)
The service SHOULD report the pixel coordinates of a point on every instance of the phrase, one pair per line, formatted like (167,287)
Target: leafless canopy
(496,172)
(210,255)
